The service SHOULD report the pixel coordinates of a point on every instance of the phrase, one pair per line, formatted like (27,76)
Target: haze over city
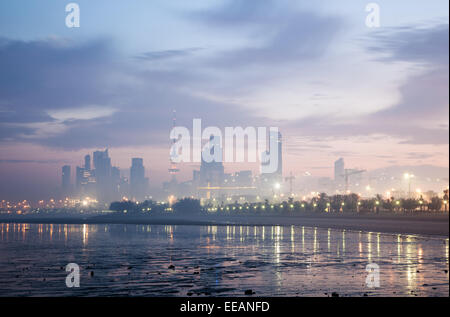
(222,156)
(335,88)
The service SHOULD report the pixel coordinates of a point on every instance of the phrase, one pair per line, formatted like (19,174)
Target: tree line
(322,203)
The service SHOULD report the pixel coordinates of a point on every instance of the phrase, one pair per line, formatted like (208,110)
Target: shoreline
(432,225)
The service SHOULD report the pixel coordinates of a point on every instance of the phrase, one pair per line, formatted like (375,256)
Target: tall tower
(87,162)
(339,170)
(102,164)
(138,182)
(280,153)
(173,169)
(66,178)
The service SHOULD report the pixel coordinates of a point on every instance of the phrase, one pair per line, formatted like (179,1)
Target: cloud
(275,33)
(428,45)
(20,161)
(421,114)
(82,113)
(166,54)
(68,95)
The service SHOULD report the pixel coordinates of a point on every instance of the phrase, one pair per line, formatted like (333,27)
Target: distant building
(115,181)
(280,152)
(138,182)
(102,164)
(87,162)
(66,183)
(339,171)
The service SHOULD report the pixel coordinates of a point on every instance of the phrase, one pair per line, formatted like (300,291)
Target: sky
(335,88)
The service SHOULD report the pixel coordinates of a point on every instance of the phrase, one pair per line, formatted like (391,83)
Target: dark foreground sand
(431,224)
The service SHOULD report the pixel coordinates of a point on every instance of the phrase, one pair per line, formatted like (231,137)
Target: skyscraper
(280,152)
(102,164)
(87,162)
(115,181)
(79,178)
(339,171)
(138,182)
(66,179)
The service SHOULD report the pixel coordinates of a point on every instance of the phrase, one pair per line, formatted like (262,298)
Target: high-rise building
(79,178)
(280,152)
(138,182)
(66,184)
(87,162)
(115,181)
(173,169)
(339,171)
(102,164)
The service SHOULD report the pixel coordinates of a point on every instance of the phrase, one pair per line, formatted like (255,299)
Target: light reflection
(315,241)
(378,245)
(292,239)
(412,252)
(303,239)
(85,234)
(446,251)
(329,239)
(343,242)
(399,248)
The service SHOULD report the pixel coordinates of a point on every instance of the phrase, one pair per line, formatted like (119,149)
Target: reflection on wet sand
(218,260)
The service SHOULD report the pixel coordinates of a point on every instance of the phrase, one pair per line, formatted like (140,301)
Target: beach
(429,224)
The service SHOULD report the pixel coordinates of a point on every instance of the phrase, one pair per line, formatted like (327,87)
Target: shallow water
(134,260)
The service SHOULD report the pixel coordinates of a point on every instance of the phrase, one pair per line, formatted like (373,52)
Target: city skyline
(132,183)
(115,88)
(224,156)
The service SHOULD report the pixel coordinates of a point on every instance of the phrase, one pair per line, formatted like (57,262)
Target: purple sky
(334,87)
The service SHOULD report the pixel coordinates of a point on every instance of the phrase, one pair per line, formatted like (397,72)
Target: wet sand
(192,261)
(431,224)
